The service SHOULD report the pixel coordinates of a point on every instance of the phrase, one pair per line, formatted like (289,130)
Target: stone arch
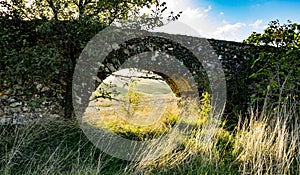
(177,81)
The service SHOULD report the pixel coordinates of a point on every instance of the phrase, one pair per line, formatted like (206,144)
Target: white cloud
(205,22)
(257,24)
(208,9)
(229,31)
(193,13)
(191,20)
(228,28)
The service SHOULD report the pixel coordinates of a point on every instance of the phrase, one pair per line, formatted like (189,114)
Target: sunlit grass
(269,143)
(145,123)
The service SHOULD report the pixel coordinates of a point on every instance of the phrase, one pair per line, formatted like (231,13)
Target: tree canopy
(105,10)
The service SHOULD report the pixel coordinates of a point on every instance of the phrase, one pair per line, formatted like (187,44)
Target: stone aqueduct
(234,57)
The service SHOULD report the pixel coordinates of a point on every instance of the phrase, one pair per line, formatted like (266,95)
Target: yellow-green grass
(146,122)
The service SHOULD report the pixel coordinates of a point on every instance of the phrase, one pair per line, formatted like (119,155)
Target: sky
(232,20)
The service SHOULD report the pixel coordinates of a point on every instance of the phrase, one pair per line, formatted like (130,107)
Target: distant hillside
(153,87)
(145,86)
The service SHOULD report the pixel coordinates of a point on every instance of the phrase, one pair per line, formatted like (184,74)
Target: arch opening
(134,98)
(172,63)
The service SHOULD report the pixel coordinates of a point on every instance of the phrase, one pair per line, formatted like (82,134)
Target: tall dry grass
(269,142)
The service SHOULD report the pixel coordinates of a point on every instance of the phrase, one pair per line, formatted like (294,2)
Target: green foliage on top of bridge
(276,70)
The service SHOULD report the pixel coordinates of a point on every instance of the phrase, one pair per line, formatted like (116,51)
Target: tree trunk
(68,105)
(68,101)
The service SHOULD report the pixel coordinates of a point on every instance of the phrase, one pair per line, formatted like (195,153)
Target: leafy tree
(105,10)
(40,40)
(276,70)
